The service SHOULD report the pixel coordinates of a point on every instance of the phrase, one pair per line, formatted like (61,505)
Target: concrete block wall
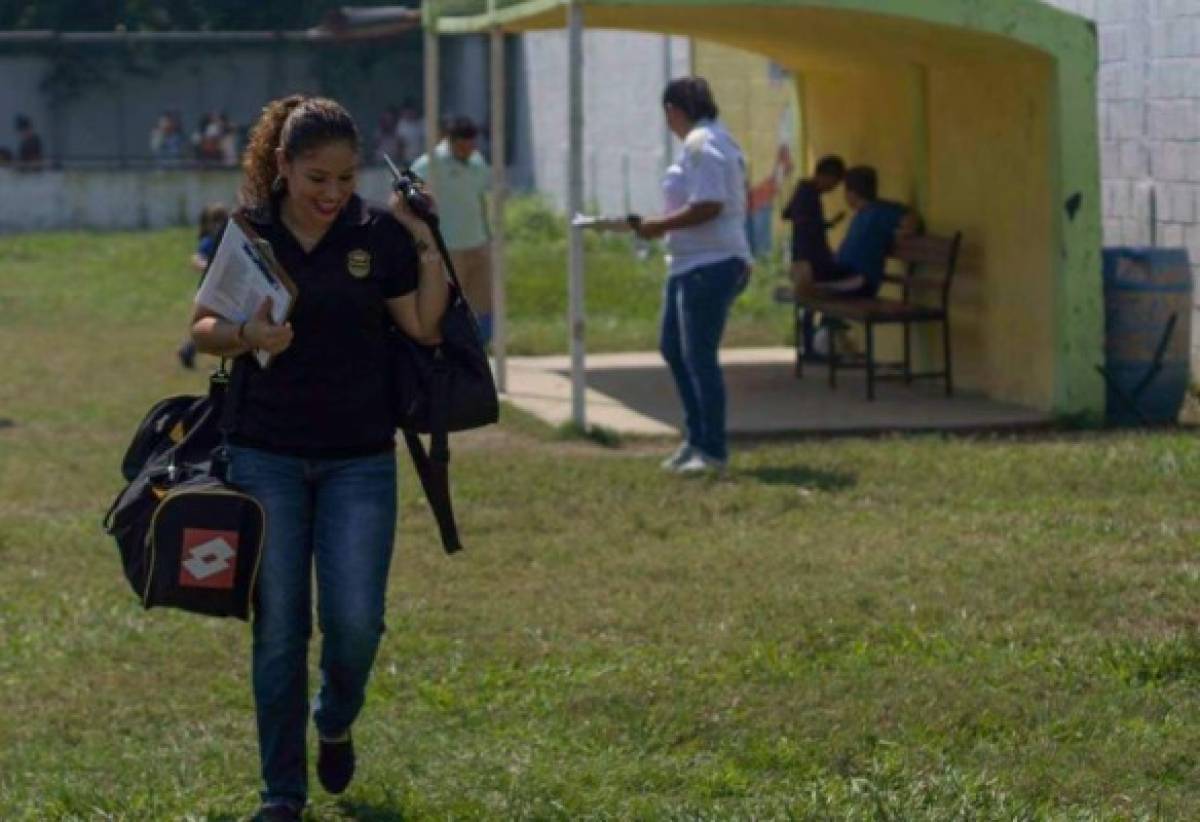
(626,142)
(1149,104)
(127,200)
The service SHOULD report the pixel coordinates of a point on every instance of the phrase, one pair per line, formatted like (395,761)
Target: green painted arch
(957,33)
(1029,22)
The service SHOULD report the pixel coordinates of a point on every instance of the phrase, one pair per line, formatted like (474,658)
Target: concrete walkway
(633,394)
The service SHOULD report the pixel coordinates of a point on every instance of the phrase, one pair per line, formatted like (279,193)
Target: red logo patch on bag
(209,558)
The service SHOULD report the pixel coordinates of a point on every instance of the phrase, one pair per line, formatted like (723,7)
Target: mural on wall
(757,99)
(769,192)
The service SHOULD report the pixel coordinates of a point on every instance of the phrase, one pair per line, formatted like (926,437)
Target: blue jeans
(339,516)
(695,307)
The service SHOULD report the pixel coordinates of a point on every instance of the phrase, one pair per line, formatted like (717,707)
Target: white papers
(242,275)
(601,223)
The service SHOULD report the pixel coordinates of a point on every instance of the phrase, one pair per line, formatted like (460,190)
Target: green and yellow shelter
(980,113)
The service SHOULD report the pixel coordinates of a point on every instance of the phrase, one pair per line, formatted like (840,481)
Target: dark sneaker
(279,812)
(335,762)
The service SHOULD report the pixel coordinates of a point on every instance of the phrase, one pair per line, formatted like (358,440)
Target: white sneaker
(700,465)
(682,454)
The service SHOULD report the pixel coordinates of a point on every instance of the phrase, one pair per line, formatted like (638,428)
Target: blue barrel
(1143,289)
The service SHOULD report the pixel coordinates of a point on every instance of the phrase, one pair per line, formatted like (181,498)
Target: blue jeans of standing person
(339,516)
(695,307)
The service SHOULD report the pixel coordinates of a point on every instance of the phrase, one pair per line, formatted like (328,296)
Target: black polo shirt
(810,241)
(327,395)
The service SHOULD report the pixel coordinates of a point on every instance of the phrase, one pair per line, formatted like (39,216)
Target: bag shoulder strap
(226,389)
(433,466)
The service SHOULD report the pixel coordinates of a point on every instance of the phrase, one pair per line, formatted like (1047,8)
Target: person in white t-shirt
(460,178)
(704,193)
(410,133)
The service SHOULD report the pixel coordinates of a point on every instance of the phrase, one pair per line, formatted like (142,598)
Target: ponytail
(296,124)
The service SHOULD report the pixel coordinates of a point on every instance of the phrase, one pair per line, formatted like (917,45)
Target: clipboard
(243,273)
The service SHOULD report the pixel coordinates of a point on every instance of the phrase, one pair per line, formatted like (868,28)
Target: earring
(277,184)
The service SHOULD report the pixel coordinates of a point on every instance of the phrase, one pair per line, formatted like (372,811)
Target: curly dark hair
(296,124)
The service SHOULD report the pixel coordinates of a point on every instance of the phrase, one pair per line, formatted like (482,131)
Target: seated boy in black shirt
(812,258)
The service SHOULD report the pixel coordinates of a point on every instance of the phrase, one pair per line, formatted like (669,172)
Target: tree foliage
(168,15)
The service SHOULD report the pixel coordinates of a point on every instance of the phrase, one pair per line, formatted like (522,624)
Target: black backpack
(188,539)
(440,389)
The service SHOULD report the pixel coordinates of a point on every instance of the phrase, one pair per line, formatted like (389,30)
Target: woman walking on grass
(313,438)
(704,193)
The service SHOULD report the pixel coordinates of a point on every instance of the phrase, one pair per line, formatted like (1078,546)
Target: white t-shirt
(710,168)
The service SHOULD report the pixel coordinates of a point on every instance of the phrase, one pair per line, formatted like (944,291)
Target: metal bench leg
(798,336)
(908,353)
(948,361)
(832,336)
(870,361)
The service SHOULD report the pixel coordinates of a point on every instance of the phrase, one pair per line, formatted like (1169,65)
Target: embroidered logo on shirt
(358,263)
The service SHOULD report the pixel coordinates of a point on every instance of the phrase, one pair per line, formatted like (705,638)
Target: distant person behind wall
(386,140)
(410,133)
(207,139)
(228,141)
(461,178)
(30,154)
(167,143)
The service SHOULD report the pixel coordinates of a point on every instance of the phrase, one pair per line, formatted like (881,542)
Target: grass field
(899,629)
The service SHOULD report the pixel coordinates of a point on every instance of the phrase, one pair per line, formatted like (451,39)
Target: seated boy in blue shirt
(874,228)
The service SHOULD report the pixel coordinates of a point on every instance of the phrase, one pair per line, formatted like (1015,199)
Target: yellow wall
(990,178)
(752,106)
(866,117)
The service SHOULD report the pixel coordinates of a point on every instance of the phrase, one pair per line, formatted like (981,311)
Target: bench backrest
(930,261)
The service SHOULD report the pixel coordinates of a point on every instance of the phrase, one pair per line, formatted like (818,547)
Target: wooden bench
(929,264)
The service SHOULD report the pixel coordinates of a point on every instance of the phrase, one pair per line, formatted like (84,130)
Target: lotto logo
(208,559)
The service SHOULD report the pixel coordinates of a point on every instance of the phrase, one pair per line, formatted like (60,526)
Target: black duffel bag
(166,426)
(447,387)
(188,539)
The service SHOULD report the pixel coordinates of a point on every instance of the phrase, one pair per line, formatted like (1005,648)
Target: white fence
(132,199)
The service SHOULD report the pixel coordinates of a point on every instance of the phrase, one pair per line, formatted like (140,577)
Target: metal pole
(432,77)
(668,75)
(499,190)
(574,206)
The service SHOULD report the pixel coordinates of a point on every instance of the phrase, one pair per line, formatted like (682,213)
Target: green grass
(896,629)
(623,294)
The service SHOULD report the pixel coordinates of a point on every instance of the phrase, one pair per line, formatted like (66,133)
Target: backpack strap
(433,467)
(225,390)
